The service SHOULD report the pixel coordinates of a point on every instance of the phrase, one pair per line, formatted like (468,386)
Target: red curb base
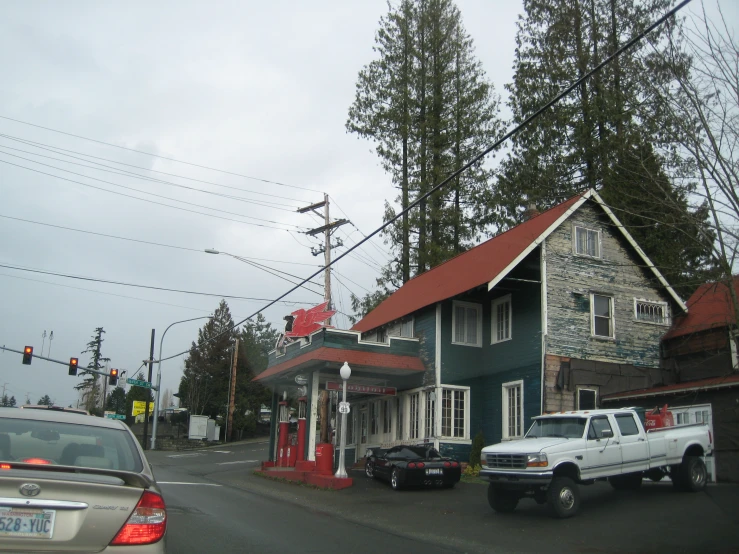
(309,477)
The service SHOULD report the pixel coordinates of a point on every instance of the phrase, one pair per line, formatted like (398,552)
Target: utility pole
(148,394)
(231,394)
(327,228)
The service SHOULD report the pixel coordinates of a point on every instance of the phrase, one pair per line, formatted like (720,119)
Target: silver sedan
(76,483)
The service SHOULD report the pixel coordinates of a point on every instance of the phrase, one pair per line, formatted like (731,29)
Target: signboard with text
(362,389)
(139,407)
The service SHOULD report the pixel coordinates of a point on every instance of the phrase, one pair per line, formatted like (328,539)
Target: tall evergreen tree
(606,134)
(425,103)
(116,401)
(44,401)
(90,387)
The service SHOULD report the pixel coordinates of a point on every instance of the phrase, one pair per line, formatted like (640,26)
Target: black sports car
(412,466)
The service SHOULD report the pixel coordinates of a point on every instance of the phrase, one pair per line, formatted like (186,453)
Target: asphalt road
(232,510)
(205,516)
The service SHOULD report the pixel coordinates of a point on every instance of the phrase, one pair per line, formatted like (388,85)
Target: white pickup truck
(567,449)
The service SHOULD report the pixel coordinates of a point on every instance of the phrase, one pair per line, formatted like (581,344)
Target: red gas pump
(302,428)
(283,430)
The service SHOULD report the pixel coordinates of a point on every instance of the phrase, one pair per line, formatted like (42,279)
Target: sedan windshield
(418,453)
(564,427)
(55,443)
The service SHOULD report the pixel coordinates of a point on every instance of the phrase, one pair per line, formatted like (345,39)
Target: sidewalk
(461,518)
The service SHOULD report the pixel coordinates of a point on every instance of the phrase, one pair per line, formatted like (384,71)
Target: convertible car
(412,466)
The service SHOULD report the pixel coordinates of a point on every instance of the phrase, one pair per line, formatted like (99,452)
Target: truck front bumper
(513,479)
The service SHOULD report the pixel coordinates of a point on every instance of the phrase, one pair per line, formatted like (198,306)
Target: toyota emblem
(30,489)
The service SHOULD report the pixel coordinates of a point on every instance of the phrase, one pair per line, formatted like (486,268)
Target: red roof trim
(341,355)
(702,384)
(466,271)
(709,307)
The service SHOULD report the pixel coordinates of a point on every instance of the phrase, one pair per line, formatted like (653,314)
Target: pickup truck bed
(562,451)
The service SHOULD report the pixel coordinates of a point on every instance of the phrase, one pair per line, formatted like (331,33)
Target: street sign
(115,416)
(137,383)
(139,407)
(344,407)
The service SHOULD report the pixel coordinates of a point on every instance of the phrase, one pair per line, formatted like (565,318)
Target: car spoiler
(128,477)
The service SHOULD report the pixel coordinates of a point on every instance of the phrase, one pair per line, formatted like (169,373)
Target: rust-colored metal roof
(709,307)
(352,357)
(702,384)
(476,267)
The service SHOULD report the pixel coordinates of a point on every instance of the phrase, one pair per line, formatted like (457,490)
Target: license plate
(26,522)
(433,471)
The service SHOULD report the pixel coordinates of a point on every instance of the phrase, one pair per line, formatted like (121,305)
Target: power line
(126,173)
(514,131)
(146,199)
(158,156)
(62,152)
(135,189)
(123,284)
(150,243)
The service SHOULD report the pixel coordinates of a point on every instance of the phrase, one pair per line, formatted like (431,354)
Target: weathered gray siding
(571,279)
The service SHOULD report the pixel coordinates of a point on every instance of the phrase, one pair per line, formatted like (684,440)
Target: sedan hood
(524,446)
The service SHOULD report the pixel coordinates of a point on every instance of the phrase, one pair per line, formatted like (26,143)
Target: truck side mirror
(606,433)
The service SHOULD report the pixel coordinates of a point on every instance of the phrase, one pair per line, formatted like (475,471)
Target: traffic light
(73,366)
(113,377)
(27,355)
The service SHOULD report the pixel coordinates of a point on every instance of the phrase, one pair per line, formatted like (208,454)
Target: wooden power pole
(327,228)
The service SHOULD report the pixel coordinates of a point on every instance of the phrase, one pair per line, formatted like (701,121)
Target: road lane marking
(184,483)
(192,455)
(237,462)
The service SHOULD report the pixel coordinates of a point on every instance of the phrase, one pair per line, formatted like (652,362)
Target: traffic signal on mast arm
(73,362)
(113,377)
(27,355)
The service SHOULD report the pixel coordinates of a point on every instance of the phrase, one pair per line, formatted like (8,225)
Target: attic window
(467,324)
(587,242)
(651,312)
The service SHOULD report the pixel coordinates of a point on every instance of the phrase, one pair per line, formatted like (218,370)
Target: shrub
(478,443)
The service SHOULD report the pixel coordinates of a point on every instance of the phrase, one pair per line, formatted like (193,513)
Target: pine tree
(116,401)
(204,383)
(44,401)
(606,134)
(90,387)
(427,106)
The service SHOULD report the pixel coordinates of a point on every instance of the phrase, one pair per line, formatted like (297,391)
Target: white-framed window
(512,410)
(648,311)
(430,413)
(466,323)
(406,328)
(601,316)
(373,417)
(587,398)
(682,418)
(502,314)
(586,242)
(414,415)
(387,417)
(454,412)
(349,427)
(399,419)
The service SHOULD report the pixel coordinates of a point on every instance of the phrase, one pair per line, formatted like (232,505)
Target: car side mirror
(606,433)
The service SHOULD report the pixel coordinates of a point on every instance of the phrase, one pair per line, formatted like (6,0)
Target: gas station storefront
(306,383)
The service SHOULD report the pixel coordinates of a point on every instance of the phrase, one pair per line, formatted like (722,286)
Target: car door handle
(642,439)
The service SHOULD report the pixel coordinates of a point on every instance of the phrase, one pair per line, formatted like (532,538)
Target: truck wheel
(655,475)
(369,469)
(501,500)
(692,475)
(563,497)
(627,482)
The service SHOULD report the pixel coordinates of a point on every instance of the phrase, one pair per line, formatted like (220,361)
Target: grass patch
(473,479)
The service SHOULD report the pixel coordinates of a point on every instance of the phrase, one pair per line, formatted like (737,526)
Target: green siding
(453,450)
(486,399)
(424,329)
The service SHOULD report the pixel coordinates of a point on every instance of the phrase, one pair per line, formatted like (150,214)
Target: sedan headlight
(537,460)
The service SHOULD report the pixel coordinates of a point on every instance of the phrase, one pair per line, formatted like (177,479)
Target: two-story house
(547,316)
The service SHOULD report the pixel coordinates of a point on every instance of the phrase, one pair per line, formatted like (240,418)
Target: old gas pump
(302,428)
(283,432)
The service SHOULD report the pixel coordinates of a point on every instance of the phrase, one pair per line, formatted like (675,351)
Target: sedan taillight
(447,464)
(420,465)
(411,465)
(455,464)
(146,524)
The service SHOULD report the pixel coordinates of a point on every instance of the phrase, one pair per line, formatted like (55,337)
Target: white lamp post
(345,372)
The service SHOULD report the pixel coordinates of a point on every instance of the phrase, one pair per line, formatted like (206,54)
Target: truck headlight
(537,460)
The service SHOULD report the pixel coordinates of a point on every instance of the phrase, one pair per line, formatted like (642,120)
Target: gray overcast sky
(256,88)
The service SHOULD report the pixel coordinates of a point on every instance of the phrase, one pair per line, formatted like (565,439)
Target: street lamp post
(159,379)
(345,372)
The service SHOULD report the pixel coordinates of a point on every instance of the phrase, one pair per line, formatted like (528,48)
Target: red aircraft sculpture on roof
(302,323)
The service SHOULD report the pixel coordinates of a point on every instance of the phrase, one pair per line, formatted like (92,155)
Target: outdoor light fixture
(345,373)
